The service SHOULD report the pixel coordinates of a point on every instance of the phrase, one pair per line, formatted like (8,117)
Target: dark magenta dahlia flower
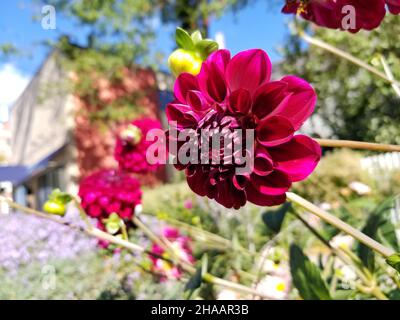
(393,6)
(109,191)
(236,93)
(333,13)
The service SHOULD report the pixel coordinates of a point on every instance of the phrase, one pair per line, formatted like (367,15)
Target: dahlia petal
(183,84)
(268,96)
(126,213)
(198,182)
(95,210)
(240,101)
(248,70)
(263,164)
(324,13)
(223,195)
(212,82)
(196,100)
(182,114)
(274,184)
(219,59)
(254,196)
(301,103)
(274,130)
(229,196)
(290,7)
(297,158)
(240,181)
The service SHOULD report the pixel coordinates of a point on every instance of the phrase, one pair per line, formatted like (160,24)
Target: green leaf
(196,36)
(183,39)
(378,226)
(394,261)
(343,294)
(194,283)
(61,197)
(394,294)
(273,219)
(366,255)
(307,277)
(206,47)
(387,231)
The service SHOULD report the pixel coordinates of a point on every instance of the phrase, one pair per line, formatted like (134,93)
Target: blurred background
(73,72)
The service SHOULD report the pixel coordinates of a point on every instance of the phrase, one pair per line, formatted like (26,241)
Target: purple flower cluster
(26,239)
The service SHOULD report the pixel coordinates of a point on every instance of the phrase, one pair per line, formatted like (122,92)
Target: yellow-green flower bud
(54,207)
(182,60)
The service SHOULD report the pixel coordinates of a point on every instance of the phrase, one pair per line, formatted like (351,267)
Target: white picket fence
(381,163)
(395,217)
(381,167)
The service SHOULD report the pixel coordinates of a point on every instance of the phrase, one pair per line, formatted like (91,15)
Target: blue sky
(258,25)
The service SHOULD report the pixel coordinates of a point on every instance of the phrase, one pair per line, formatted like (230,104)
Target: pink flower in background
(188,204)
(131,146)
(109,191)
(333,13)
(237,93)
(181,245)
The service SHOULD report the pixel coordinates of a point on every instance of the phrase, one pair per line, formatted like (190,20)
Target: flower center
(131,134)
(221,139)
(280,287)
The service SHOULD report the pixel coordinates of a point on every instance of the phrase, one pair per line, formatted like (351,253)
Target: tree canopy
(353,102)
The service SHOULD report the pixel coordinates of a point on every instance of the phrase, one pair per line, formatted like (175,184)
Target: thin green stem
(124,230)
(341,225)
(338,252)
(358,145)
(340,53)
(389,74)
(349,258)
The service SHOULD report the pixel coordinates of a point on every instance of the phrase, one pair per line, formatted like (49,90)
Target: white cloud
(12,84)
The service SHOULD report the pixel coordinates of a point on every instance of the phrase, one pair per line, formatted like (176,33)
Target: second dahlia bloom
(236,93)
(131,146)
(333,13)
(393,6)
(181,245)
(109,191)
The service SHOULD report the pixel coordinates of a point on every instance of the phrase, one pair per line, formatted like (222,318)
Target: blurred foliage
(117,35)
(7,49)
(239,245)
(196,14)
(354,103)
(253,231)
(331,178)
